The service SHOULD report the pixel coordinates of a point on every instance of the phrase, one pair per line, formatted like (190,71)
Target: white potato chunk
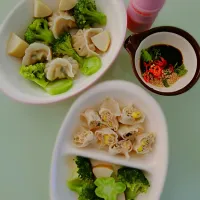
(41,9)
(102,171)
(16,46)
(67,4)
(102,41)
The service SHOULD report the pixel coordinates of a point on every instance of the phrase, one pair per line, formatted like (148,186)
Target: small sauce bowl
(172,36)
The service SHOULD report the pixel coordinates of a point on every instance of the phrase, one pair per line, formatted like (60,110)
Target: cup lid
(150,5)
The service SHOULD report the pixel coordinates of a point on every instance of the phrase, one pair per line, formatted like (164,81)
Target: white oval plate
(15,86)
(155,164)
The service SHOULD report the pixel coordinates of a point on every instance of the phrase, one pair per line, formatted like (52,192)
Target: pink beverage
(141,14)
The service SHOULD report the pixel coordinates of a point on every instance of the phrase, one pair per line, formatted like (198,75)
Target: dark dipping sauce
(162,65)
(170,53)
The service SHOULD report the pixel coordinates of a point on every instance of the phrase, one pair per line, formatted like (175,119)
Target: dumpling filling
(92,120)
(83,138)
(130,132)
(115,149)
(126,147)
(106,137)
(131,115)
(109,119)
(122,147)
(144,143)
(37,52)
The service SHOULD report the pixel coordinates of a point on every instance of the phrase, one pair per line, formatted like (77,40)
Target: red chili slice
(156,70)
(161,63)
(146,77)
(147,64)
(158,62)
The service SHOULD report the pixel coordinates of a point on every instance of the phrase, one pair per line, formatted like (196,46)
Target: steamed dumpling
(61,22)
(131,116)
(83,137)
(37,52)
(91,119)
(106,137)
(144,142)
(61,68)
(83,44)
(112,105)
(109,110)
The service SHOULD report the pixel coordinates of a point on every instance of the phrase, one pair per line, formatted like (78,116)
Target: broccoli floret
(39,31)
(84,168)
(75,185)
(63,46)
(35,73)
(88,192)
(85,189)
(135,181)
(86,14)
(181,70)
(84,184)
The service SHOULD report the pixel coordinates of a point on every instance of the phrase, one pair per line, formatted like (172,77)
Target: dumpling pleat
(61,68)
(61,22)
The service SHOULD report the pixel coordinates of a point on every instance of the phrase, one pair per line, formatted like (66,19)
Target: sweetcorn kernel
(136,115)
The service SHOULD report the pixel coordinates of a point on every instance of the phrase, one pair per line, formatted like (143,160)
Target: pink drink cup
(142,14)
(148,6)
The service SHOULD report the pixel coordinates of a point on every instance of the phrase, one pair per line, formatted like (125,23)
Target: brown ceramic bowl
(175,37)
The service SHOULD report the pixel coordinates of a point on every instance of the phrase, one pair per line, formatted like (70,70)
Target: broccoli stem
(42,82)
(96,16)
(78,59)
(46,36)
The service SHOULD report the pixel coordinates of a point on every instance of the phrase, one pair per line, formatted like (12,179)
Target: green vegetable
(63,46)
(155,53)
(35,73)
(86,14)
(84,168)
(146,57)
(39,31)
(165,83)
(175,65)
(85,189)
(181,70)
(59,86)
(134,180)
(91,65)
(88,192)
(83,185)
(75,185)
(108,189)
